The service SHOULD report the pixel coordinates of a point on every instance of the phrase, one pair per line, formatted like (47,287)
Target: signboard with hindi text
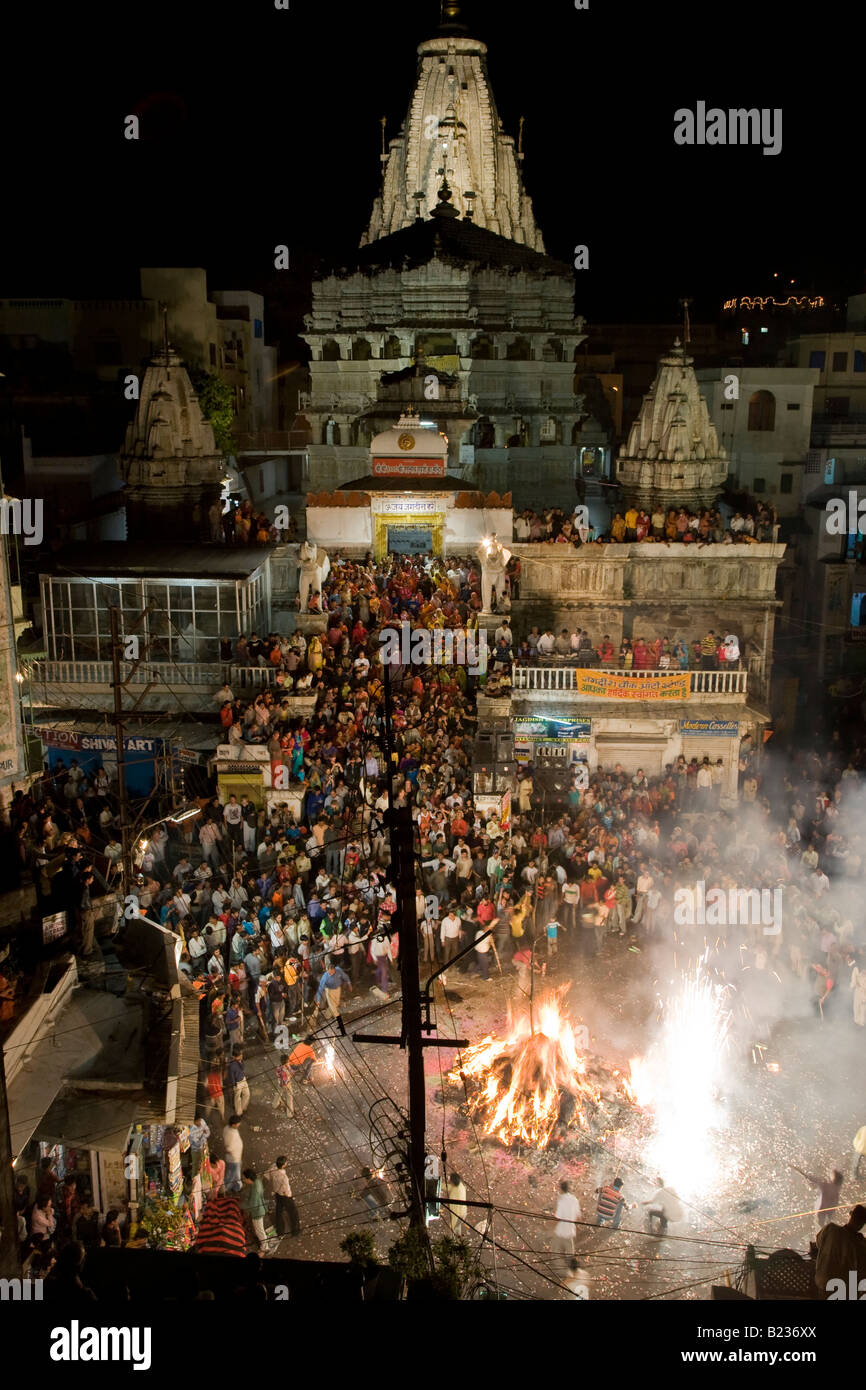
(613,685)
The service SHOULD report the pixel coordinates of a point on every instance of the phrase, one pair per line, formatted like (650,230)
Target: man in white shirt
(546,643)
(642,887)
(820,883)
(209,836)
(705,784)
(286,1218)
(233,1146)
(482,951)
(664,1207)
(233,816)
(449,934)
(215,933)
(197,952)
(380,949)
(567,1214)
(180,904)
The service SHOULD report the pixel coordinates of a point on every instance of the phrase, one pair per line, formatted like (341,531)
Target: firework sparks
(679,1081)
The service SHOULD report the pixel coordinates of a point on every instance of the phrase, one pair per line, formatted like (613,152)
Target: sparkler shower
(680,1081)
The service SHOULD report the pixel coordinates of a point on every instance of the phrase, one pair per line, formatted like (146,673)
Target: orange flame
(522,1077)
(638,1086)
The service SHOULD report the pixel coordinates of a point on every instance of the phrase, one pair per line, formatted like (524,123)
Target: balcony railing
(156,673)
(561,677)
(827,428)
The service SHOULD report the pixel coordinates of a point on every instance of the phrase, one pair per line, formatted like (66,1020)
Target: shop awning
(77,1037)
(82,1120)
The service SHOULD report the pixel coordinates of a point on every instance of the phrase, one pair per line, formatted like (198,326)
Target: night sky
(261,126)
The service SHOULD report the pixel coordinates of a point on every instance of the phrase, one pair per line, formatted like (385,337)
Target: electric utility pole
(123,804)
(415,1020)
(400,831)
(399,823)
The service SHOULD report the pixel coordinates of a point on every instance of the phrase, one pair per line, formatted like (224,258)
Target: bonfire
(524,1087)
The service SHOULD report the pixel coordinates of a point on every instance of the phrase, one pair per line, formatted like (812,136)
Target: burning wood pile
(537,1083)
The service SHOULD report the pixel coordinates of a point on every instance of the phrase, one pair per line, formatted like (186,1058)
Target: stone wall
(645,590)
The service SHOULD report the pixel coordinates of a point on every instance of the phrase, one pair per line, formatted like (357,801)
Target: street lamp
(176,818)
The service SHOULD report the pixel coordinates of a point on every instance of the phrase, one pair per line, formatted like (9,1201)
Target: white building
(763,418)
(408,503)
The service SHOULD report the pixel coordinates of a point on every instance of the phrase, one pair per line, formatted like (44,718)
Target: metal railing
(826,428)
(159,673)
(559,676)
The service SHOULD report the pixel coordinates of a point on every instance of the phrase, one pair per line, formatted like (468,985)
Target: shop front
(552,741)
(77,1154)
(169,1180)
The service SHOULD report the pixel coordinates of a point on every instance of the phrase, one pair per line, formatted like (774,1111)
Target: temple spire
(453,104)
(672,456)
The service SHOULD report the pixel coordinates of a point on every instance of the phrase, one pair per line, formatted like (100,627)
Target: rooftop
(120,559)
(450,238)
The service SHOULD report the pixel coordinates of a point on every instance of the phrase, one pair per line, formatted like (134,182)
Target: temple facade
(407,502)
(451,273)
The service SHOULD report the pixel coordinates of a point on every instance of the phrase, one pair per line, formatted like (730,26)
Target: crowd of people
(240,523)
(759,523)
(284,915)
(714,651)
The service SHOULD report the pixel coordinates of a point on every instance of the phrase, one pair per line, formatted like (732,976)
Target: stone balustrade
(559,677)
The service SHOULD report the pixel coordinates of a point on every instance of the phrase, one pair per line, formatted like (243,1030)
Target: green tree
(454,1264)
(217,401)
